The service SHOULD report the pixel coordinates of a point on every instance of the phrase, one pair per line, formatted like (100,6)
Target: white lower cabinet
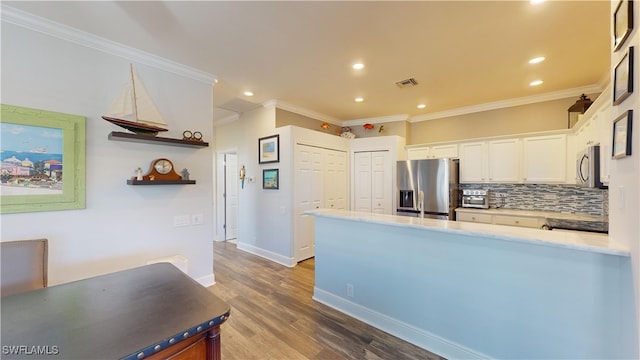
(320,181)
(373,189)
(530,222)
(477,216)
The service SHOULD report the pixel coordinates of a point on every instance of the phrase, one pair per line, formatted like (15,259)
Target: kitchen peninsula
(469,290)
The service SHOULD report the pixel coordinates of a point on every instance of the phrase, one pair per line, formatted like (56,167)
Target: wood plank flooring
(274,317)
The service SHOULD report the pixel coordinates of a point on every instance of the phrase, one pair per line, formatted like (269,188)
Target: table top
(113,316)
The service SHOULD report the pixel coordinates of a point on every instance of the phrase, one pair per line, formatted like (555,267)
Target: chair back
(23,266)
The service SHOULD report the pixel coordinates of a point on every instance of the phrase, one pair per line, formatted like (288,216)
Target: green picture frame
(70,189)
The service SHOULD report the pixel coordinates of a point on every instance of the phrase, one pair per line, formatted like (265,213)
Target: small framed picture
(270,179)
(269,149)
(622,135)
(622,23)
(623,78)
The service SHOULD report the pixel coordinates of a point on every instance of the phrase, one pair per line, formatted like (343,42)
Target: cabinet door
(444,151)
(604,130)
(418,153)
(472,162)
(504,164)
(544,159)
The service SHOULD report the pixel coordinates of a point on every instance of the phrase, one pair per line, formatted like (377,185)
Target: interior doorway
(230,195)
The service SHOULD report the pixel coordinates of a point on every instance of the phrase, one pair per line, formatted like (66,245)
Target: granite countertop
(591,242)
(538,214)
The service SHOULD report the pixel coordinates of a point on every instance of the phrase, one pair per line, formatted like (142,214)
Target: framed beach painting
(270,179)
(43,160)
(269,149)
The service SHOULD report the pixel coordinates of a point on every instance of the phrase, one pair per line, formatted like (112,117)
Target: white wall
(624,186)
(122,226)
(265,221)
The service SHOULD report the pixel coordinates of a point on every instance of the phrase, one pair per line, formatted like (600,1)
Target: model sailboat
(134,110)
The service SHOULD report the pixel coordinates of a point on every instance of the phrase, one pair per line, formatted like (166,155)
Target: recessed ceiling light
(536,2)
(358,66)
(422,106)
(536,60)
(248,93)
(536,83)
(359,99)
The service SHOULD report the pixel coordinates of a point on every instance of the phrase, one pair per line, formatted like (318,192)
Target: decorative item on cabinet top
(161,172)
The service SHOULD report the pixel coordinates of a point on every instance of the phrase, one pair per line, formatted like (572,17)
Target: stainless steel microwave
(588,167)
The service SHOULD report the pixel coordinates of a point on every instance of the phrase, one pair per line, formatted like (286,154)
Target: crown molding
(302,111)
(36,23)
(226,120)
(377,120)
(562,94)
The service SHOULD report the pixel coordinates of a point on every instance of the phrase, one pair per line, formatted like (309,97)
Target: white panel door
(336,179)
(230,196)
(309,194)
(381,184)
(362,181)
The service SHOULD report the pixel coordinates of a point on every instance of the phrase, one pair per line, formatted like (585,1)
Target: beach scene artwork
(32,161)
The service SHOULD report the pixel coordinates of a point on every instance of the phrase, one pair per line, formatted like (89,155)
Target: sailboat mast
(133,86)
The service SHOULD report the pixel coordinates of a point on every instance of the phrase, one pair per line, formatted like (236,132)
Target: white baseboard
(404,331)
(207,280)
(283,260)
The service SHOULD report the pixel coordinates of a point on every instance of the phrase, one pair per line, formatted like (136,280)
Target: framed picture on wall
(270,179)
(269,149)
(622,135)
(623,78)
(622,23)
(43,160)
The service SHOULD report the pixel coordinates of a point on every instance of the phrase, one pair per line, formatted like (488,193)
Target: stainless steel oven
(476,198)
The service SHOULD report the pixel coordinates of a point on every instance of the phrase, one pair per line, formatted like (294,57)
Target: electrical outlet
(350,290)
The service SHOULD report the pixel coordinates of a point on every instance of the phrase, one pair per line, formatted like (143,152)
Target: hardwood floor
(274,317)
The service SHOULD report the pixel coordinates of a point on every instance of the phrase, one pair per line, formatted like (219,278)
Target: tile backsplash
(558,198)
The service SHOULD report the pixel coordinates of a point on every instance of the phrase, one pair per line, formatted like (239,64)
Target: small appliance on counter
(475,198)
(588,168)
(428,188)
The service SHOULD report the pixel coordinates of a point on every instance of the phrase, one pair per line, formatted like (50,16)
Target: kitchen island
(468,290)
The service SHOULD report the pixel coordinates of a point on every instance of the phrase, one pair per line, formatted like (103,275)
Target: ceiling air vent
(411,82)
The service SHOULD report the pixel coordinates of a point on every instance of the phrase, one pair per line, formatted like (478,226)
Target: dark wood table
(149,312)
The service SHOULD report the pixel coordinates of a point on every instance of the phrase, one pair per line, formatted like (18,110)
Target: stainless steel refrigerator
(428,188)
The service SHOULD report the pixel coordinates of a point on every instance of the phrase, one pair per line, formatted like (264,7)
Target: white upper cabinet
(433,152)
(544,159)
(472,162)
(504,161)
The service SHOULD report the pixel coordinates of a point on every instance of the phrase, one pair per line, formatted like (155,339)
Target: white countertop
(534,213)
(598,243)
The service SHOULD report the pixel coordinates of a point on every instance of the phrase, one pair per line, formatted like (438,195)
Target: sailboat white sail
(134,110)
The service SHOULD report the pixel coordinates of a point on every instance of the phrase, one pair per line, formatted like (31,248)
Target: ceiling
(461,53)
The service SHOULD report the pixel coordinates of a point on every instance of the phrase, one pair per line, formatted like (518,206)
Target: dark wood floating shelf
(160,182)
(123,136)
